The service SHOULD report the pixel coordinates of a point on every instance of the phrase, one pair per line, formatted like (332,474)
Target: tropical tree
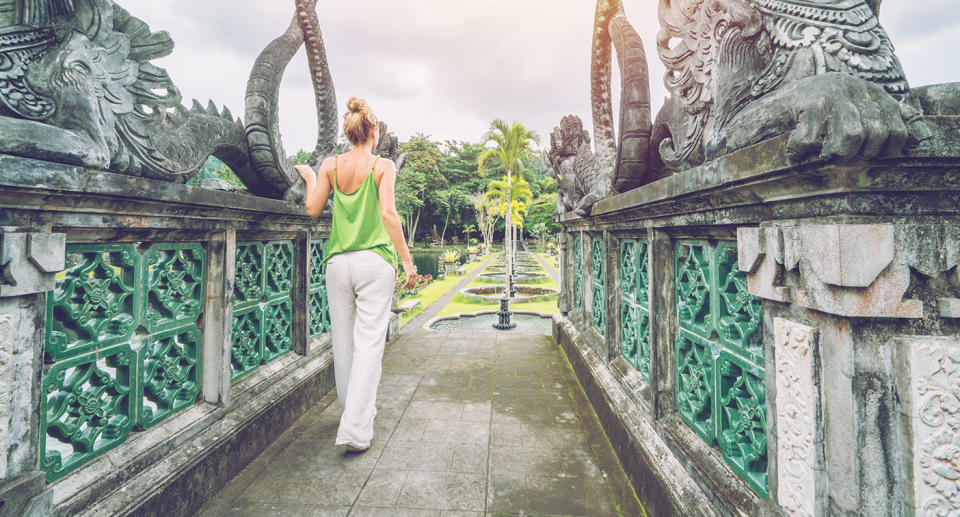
(497,193)
(486,216)
(510,145)
(468,229)
(451,201)
(420,173)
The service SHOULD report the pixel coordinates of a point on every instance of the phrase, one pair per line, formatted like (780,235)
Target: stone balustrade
(760,337)
(140,320)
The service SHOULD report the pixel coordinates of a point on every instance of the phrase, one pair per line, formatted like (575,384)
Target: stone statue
(572,164)
(77,86)
(740,72)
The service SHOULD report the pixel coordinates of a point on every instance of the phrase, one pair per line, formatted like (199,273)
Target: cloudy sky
(446,68)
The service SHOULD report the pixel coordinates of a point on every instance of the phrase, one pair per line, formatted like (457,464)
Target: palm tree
(510,144)
(467,230)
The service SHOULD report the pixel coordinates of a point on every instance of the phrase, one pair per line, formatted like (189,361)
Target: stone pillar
(300,292)
(663,326)
(28,266)
(563,299)
(218,317)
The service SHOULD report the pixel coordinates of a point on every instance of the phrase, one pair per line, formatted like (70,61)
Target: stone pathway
(417,322)
(548,268)
(468,424)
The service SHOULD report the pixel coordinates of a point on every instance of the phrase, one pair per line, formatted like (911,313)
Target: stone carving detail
(935,375)
(578,273)
(847,270)
(29,262)
(796,416)
(583,177)
(77,86)
(740,72)
(7,327)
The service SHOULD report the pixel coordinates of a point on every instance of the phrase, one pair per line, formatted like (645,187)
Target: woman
(360,265)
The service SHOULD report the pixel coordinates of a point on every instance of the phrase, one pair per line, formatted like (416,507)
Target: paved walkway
(417,322)
(468,424)
(548,268)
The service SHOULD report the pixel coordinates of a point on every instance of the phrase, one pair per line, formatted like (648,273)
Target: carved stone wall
(797,401)
(7,325)
(935,418)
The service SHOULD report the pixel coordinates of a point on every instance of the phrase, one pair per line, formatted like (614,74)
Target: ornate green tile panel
(319,307)
(634,306)
(720,380)
(319,312)
(628,269)
(86,408)
(599,309)
(578,273)
(629,336)
(279,268)
(175,283)
(742,411)
(695,384)
(277,329)
(739,321)
(693,286)
(248,282)
(643,274)
(96,302)
(170,373)
(246,352)
(99,381)
(317,249)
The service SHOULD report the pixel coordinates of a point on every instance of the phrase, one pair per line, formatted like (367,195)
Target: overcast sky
(446,68)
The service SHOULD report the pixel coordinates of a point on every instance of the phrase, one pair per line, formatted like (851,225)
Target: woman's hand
(411,272)
(306,172)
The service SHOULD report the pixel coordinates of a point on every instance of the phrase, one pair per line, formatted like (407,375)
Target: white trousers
(360,293)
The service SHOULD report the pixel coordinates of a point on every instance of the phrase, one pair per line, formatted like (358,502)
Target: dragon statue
(77,86)
(740,72)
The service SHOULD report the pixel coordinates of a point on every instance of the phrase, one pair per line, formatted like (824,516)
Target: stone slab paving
(468,424)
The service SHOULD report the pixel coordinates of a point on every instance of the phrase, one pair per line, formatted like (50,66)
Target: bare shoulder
(384,166)
(328,163)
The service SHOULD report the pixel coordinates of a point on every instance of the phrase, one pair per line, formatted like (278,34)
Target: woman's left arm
(318,188)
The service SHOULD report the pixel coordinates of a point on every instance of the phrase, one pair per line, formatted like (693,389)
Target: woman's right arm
(391,220)
(318,187)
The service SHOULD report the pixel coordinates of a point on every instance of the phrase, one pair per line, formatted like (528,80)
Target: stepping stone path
(468,424)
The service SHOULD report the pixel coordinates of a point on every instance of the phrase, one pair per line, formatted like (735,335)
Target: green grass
(436,290)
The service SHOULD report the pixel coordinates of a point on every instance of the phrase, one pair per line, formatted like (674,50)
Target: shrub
(450,256)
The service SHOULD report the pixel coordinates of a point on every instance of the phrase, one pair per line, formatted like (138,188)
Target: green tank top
(357,223)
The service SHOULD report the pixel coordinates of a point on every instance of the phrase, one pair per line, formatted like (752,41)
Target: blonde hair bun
(358,121)
(357,105)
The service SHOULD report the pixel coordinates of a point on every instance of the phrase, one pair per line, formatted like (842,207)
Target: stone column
(28,265)
(663,326)
(563,299)
(300,293)
(218,317)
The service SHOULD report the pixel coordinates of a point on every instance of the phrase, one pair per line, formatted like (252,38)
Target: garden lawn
(436,290)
